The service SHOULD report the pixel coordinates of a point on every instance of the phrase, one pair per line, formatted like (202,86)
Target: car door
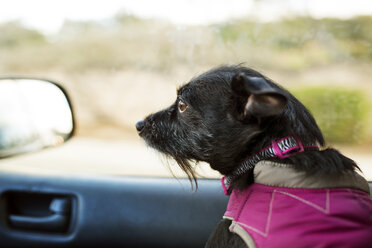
(72,210)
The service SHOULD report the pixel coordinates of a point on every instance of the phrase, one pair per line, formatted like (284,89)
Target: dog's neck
(284,175)
(281,148)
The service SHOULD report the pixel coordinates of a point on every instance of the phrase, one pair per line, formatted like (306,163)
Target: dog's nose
(140,125)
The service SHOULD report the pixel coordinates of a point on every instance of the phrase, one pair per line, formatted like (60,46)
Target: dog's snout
(140,125)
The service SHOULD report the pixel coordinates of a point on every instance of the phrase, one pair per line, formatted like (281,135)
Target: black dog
(227,117)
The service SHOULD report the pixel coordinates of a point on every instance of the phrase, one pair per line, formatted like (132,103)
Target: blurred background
(122,60)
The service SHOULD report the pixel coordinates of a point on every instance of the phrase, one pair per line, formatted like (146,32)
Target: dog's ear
(260,98)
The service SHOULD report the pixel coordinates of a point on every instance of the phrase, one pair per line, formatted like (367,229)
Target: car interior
(75,77)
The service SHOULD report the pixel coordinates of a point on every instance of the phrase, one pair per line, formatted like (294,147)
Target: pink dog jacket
(290,216)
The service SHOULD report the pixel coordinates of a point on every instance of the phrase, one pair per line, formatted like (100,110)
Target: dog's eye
(182,106)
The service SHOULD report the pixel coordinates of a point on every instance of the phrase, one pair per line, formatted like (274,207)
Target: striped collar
(282,148)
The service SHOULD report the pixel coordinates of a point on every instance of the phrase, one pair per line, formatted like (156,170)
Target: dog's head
(224,115)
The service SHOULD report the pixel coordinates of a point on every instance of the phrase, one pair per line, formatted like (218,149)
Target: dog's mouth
(145,130)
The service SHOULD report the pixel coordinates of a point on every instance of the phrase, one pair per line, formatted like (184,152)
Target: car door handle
(53,223)
(55,220)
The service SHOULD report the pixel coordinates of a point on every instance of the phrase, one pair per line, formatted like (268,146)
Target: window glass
(122,60)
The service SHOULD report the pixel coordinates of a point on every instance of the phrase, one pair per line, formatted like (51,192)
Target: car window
(120,61)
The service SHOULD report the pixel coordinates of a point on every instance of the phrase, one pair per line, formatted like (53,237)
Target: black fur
(226,121)
(222,238)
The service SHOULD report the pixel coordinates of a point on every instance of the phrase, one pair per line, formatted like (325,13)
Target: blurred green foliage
(318,41)
(126,41)
(341,114)
(13,35)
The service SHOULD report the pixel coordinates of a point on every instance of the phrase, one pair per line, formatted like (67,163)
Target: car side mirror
(34,114)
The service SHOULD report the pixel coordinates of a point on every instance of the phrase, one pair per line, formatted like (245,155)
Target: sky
(49,15)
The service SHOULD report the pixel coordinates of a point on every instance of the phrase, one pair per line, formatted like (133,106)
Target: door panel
(114,211)
(110,211)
